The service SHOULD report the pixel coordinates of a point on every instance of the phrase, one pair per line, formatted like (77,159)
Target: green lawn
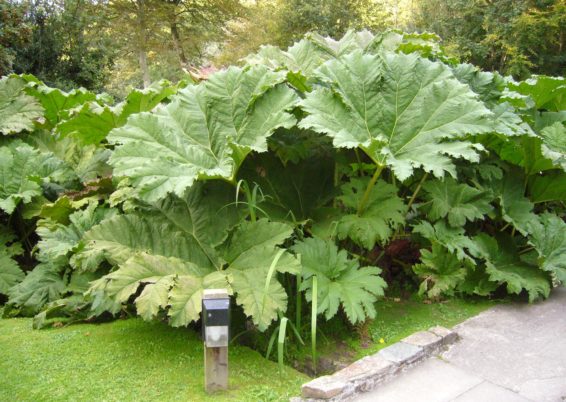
(398,319)
(131,360)
(126,360)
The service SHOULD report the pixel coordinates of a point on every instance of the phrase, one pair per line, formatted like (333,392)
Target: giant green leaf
(119,238)
(451,238)
(250,251)
(457,202)
(554,144)
(516,208)
(549,93)
(206,131)
(524,151)
(18,111)
(42,285)
(192,214)
(310,52)
(403,111)
(548,236)
(173,227)
(168,283)
(384,211)
(23,170)
(58,240)
(56,102)
(260,303)
(156,273)
(503,265)
(489,86)
(441,271)
(91,123)
(185,298)
(254,245)
(88,161)
(341,281)
(167,269)
(548,187)
(10,272)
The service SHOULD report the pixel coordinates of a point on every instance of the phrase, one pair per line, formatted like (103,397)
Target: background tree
(15,32)
(163,38)
(69,44)
(517,37)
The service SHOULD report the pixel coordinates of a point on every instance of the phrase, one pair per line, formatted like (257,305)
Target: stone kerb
(367,373)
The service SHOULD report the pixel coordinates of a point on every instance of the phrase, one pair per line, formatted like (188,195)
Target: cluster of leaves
(305,173)
(55,186)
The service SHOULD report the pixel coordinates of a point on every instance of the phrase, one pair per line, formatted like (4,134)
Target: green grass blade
(299,302)
(296,332)
(272,269)
(313,320)
(281,342)
(270,344)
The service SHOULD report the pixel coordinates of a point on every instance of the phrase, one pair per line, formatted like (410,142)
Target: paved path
(506,354)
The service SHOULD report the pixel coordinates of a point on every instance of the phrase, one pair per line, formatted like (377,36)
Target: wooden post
(215,369)
(215,358)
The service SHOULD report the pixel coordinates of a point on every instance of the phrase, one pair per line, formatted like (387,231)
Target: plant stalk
(370,186)
(313,320)
(417,190)
(299,302)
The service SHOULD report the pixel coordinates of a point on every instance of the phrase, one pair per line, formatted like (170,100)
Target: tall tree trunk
(178,45)
(142,41)
(175,34)
(144,69)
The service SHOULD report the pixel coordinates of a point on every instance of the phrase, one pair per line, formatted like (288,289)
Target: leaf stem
(370,186)
(313,320)
(299,302)
(414,196)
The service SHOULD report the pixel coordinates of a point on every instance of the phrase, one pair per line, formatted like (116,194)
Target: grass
(131,360)
(397,319)
(127,360)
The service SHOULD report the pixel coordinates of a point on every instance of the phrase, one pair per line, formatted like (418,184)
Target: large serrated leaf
(261,304)
(250,251)
(57,103)
(547,188)
(548,236)
(206,131)
(441,268)
(503,265)
(119,238)
(10,273)
(402,110)
(384,211)
(456,202)
(554,144)
(549,93)
(341,281)
(254,245)
(516,208)
(88,161)
(92,122)
(451,238)
(18,111)
(58,240)
(23,169)
(42,285)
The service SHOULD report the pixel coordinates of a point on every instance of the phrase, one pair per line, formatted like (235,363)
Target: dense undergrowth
(304,181)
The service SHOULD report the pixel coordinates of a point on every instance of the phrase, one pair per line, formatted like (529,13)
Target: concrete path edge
(367,373)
